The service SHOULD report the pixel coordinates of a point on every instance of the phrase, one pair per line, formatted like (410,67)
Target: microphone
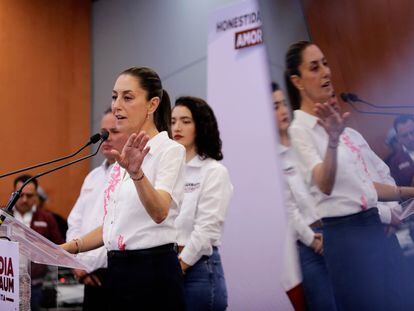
(92,140)
(350,97)
(16,194)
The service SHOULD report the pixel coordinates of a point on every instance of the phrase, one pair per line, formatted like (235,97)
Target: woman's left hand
(183,265)
(133,153)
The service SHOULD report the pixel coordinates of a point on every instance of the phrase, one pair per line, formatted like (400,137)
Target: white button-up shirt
(379,172)
(87,214)
(353,190)
(207,195)
(301,206)
(127,225)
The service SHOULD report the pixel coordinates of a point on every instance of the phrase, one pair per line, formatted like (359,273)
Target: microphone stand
(94,139)
(16,194)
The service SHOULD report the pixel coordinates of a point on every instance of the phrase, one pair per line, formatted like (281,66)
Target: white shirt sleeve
(168,176)
(211,210)
(305,148)
(304,233)
(75,216)
(381,174)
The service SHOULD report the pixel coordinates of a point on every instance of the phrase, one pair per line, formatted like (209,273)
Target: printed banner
(9,276)
(239,92)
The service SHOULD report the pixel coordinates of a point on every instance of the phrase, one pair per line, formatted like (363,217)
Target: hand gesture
(133,153)
(331,120)
(317,243)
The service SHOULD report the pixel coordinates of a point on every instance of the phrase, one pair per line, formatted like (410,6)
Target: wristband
(138,178)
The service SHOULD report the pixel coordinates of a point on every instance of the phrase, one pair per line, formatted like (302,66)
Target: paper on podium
(407,209)
(36,247)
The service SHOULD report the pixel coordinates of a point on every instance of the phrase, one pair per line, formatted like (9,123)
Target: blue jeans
(316,282)
(205,286)
(357,253)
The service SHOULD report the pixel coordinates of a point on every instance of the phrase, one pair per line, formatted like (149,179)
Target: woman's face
(183,126)
(314,82)
(282,111)
(129,104)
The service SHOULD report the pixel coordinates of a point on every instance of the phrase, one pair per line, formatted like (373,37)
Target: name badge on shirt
(42,224)
(289,171)
(191,187)
(403,165)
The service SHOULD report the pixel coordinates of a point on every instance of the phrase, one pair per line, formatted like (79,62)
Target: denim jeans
(205,286)
(316,281)
(357,254)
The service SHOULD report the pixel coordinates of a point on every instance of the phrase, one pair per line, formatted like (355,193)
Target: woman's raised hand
(331,120)
(133,153)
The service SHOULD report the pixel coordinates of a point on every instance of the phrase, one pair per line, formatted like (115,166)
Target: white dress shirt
(353,190)
(379,172)
(127,225)
(27,217)
(301,206)
(87,214)
(207,195)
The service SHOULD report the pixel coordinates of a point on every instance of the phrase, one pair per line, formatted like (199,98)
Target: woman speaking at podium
(141,200)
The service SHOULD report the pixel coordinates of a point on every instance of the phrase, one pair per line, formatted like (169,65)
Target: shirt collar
(305,118)
(156,142)
(197,161)
(28,213)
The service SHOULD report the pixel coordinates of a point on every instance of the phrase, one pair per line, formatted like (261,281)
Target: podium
(19,246)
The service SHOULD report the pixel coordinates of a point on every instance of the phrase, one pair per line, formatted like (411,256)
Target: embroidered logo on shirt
(289,171)
(42,224)
(190,187)
(403,165)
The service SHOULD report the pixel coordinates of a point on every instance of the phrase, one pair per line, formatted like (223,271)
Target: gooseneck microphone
(16,194)
(92,140)
(351,97)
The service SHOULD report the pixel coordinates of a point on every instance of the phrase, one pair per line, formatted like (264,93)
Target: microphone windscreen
(353,97)
(95,138)
(344,97)
(104,135)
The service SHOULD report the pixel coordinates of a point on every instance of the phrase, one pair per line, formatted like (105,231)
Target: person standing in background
(207,195)
(88,213)
(40,221)
(402,162)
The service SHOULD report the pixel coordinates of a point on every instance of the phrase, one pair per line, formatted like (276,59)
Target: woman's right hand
(331,120)
(68,247)
(317,243)
(133,153)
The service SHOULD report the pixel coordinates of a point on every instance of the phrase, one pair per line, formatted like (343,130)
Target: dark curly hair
(207,140)
(292,61)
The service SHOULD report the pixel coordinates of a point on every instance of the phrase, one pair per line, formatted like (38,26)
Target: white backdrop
(239,91)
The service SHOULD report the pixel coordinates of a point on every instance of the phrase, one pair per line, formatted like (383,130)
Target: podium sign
(9,275)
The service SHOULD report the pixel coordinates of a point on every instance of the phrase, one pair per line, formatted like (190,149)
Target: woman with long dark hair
(141,200)
(356,250)
(206,199)
(305,236)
